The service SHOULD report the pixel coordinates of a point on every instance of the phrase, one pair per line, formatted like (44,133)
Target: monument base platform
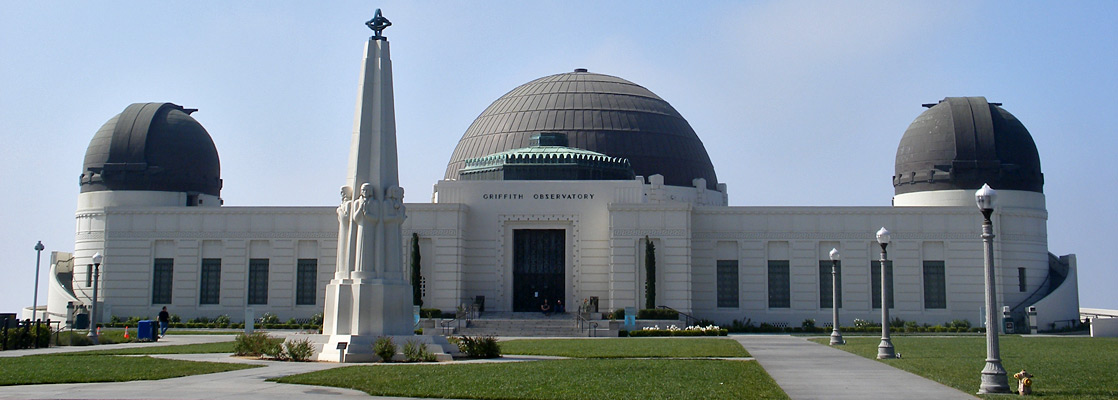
(359,348)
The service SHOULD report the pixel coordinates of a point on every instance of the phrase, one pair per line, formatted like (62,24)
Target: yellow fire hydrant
(1024,383)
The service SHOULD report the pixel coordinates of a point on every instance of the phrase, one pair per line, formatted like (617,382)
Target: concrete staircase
(529,325)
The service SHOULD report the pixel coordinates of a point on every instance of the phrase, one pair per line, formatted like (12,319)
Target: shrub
(958,323)
(896,323)
(415,351)
(657,313)
(745,325)
(808,325)
(222,320)
(618,314)
(298,350)
(430,313)
(384,348)
(316,319)
(479,346)
(25,337)
(175,318)
(269,318)
(256,344)
(71,338)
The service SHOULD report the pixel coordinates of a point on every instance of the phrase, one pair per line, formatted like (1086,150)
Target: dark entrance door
(538,269)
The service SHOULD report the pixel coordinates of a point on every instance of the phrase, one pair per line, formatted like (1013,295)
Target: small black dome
(964,142)
(600,113)
(152,146)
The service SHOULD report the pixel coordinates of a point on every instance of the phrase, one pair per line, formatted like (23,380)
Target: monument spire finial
(377,24)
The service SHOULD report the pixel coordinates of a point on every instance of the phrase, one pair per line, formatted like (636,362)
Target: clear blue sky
(798,103)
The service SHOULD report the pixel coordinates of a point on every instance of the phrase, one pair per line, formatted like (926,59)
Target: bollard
(1032,320)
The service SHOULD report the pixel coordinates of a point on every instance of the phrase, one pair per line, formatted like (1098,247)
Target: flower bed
(672,330)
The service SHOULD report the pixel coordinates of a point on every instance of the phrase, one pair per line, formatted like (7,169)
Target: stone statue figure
(366,215)
(378,23)
(343,230)
(393,218)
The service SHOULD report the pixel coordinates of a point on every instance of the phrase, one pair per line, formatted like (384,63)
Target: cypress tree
(416,293)
(650,273)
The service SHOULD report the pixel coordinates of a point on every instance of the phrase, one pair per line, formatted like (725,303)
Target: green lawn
(1064,367)
(600,371)
(30,370)
(627,347)
(557,379)
(222,347)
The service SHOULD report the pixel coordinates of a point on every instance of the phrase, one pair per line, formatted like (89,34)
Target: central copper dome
(599,113)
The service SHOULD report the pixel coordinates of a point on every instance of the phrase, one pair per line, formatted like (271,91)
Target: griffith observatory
(554,193)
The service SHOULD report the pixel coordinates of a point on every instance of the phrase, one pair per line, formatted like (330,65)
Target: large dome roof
(152,146)
(599,113)
(964,142)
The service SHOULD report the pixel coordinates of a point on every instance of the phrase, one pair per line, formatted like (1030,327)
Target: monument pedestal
(359,348)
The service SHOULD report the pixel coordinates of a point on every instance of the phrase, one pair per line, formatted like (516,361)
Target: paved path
(807,370)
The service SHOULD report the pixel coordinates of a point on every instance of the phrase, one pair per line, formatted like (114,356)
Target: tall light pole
(38,257)
(993,374)
(836,336)
(93,311)
(885,349)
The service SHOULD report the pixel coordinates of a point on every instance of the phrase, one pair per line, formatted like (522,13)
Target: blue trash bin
(145,332)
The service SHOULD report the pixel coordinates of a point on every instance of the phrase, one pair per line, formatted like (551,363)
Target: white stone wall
(466,245)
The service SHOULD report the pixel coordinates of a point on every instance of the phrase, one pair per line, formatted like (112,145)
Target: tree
(416,293)
(650,273)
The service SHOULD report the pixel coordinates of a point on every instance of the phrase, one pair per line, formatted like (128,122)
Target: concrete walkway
(807,370)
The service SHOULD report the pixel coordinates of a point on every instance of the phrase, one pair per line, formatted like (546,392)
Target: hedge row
(217,326)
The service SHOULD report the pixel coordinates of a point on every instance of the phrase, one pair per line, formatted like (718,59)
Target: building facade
(553,193)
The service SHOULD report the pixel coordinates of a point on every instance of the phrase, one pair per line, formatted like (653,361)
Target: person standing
(164,320)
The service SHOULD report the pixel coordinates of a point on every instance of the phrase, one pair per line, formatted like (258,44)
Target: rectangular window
(161,281)
(875,282)
(728,283)
(306,286)
(1021,286)
(258,281)
(88,275)
(210,292)
(935,285)
(780,285)
(825,286)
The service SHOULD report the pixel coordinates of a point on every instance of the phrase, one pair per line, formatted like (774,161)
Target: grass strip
(1064,367)
(557,379)
(197,348)
(626,347)
(44,369)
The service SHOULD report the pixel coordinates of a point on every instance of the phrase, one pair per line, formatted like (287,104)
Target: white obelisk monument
(370,296)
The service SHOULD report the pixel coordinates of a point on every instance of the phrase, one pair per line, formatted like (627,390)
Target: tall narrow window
(935,285)
(780,285)
(727,283)
(161,281)
(306,285)
(88,275)
(210,289)
(875,282)
(258,281)
(1021,286)
(825,286)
